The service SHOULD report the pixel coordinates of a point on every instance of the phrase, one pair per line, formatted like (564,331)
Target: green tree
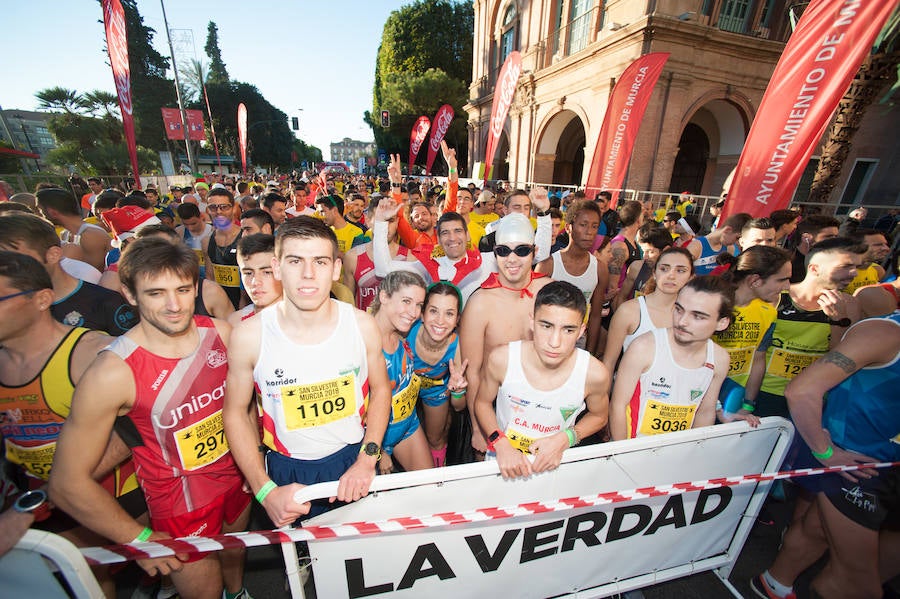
(59,98)
(878,72)
(217,71)
(426,42)
(9,164)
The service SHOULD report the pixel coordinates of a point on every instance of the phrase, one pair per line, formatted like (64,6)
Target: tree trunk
(877,73)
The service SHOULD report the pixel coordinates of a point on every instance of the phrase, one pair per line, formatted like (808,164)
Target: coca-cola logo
(421,131)
(506,90)
(117,45)
(442,124)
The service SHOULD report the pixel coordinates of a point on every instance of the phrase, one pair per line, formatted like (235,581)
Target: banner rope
(112,554)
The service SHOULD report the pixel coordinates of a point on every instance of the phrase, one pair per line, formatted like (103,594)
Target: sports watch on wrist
(493,438)
(34,502)
(371,449)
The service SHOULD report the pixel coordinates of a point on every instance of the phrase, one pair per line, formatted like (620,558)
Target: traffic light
(295,123)
(385,118)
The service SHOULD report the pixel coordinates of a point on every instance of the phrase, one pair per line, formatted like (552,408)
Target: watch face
(494,436)
(371,448)
(31,500)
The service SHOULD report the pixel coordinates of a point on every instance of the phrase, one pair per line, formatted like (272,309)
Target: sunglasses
(218,207)
(521,251)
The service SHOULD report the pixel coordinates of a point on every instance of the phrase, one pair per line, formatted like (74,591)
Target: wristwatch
(493,438)
(541,212)
(371,449)
(34,502)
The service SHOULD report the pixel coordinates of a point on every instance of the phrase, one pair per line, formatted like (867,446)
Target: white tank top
(667,395)
(645,325)
(525,413)
(313,396)
(586,281)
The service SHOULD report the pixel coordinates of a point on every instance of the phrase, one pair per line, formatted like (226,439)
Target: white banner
(594,551)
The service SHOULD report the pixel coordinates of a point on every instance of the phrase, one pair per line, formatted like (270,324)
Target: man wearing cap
(124,223)
(483,212)
(76,303)
(501,310)
(202,195)
(60,208)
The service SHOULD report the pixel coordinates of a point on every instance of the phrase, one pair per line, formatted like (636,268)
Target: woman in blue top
(396,307)
(435,346)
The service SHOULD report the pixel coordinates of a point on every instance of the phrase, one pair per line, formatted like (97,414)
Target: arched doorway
(689,170)
(569,163)
(560,152)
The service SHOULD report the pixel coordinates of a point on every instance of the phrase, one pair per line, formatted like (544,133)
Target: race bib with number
(200,256)
(403,404)
(201,443)
(666,418)
(226,275)
(318,403)
(519,441)
(36,460)
(787,364)
(740,359)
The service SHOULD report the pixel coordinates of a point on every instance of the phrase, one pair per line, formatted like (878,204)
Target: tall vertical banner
(117,47)
(441,123)
(416,138)
(627,104)
(503,97)
(821,58)
(242,135)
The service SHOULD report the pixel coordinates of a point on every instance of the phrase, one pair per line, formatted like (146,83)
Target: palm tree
(99,101)
(878,72)
(59,98)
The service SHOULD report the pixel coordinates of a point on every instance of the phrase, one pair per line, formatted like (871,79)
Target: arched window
(508,32)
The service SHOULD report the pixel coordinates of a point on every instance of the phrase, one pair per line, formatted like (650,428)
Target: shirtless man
(166,377)
(61,208)
(501,310)
(659,391)
(317,356)
(558,381)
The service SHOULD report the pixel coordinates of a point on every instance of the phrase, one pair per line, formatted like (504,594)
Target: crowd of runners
(170,356)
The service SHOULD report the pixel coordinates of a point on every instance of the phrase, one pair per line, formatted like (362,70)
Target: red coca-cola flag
(441,123)
(503,97)
(242,134)
(821,58)
(416,138)
(117,47)
(622,122)
(172,121)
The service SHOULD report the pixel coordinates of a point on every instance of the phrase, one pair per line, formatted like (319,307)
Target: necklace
(429,344)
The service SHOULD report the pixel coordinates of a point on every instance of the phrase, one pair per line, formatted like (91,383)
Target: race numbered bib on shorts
(36,460)
(202,443)
(226,275)
(661,418)
(403,404)
(519,441)
(787,364)
(318,403)
(739,360)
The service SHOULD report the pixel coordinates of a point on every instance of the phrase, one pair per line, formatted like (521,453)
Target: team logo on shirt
(74,319)
(216,358)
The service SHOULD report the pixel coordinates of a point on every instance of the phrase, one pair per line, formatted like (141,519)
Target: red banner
(419,131)
(622,122)
(441,123)
(823,55)
(242,134)
(117,47)
(503,97)
(172,120)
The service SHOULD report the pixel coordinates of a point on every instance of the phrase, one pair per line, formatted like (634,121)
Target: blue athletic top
(706,263)
(863,412)
(404,383)
(433,378)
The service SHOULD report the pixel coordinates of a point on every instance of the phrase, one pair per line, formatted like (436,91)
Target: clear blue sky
(318,56)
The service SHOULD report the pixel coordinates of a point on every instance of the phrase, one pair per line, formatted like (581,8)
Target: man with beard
(669,379)
(166,380)
(813,313)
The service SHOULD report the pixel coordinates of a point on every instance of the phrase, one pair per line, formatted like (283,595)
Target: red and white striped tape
(193,545)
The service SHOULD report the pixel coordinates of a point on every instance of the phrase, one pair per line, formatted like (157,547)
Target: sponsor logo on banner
(117,47)
(622,121)
(503,97)
(172,120)
(441,123)
(419,131)
(817,65)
